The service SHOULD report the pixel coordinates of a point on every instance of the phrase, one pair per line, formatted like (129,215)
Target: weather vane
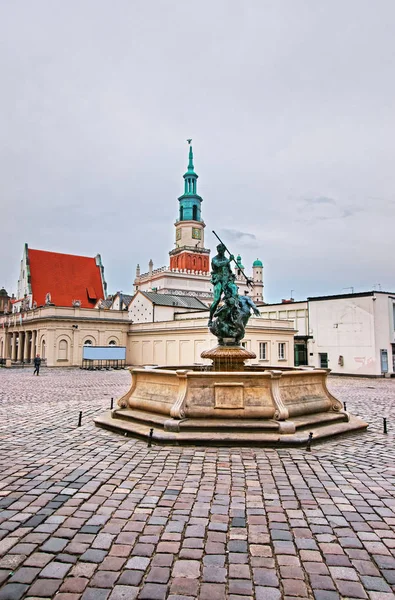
(189,141)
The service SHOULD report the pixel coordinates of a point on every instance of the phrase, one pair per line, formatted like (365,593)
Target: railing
(98,365)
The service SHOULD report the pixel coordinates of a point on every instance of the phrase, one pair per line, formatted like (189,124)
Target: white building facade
(353,334)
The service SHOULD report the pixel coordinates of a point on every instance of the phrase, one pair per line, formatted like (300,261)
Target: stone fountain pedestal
(248,406)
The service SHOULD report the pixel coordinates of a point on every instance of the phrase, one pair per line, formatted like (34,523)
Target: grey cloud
(238,235)
(320,200)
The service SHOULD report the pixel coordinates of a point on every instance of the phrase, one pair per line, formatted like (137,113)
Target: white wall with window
(282,351)
(263,351)
(63,350)
(353,333)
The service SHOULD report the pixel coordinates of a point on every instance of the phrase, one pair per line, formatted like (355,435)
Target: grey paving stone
(124,592)
(55,570)
(13,591)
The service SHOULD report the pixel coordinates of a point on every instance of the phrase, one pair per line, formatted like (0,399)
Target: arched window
(43,349)
(112,343)
(194,212)
(88,343)
(63,350)
(181,213)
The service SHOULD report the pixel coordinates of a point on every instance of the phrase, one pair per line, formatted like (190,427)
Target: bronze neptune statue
(229,312)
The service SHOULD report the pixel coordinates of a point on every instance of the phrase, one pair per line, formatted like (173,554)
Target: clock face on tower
(178,234)
(196,233)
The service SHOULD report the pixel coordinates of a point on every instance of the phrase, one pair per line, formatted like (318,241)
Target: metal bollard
(385,425)
(151,435)
(308,447)
(112,403)
(345,406)
(80,419)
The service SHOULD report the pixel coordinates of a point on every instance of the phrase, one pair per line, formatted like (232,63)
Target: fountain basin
(262,406)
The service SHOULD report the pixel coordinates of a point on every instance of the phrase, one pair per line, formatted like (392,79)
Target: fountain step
(234,432)
(164,421)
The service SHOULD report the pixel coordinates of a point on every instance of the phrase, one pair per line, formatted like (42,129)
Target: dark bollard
(151,435)
(345,406)
(385,425)
(80,419)
(308,447)
(112,403)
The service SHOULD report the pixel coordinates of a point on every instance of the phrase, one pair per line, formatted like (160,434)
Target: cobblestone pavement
(87,514)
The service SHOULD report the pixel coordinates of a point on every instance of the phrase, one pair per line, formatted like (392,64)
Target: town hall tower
(189,252)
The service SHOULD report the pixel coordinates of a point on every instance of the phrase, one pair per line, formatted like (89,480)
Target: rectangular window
(323,357)
(393,314)
(262,350)
(281,351)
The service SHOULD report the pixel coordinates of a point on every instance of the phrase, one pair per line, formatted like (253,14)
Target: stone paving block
(240,587)
(82,569)
(351,589)
(13,591)
(153,591)
(184,587)
(94,556)
(267,593)
(104,579)
(295,587)
(212,591)
(45,587)
(132,578)
(214,574)
(375,584)
(55,570)
(74,585)
(265,577)
(12,561)
(95,594)
(158,575)
(138,562)
(124,592)
(186,568)
(322,582)
(54,545)
(326,595)
(25,575)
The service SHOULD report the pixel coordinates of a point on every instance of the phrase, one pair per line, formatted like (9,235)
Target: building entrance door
(384,361)
(300,355)
(323,360)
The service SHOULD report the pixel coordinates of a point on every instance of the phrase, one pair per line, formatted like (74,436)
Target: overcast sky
(290,104)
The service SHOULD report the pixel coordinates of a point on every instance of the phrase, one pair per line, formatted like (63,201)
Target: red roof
(65,277)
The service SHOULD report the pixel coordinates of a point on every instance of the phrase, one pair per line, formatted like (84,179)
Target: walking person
(37,363)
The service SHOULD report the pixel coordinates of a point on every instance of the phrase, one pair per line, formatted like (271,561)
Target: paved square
(88,514)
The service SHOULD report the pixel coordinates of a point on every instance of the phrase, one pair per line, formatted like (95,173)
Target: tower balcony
(193,249)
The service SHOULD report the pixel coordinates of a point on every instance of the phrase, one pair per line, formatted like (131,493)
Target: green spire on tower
(190,163)
(190,201)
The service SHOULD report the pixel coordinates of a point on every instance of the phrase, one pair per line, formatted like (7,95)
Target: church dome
(257,263)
